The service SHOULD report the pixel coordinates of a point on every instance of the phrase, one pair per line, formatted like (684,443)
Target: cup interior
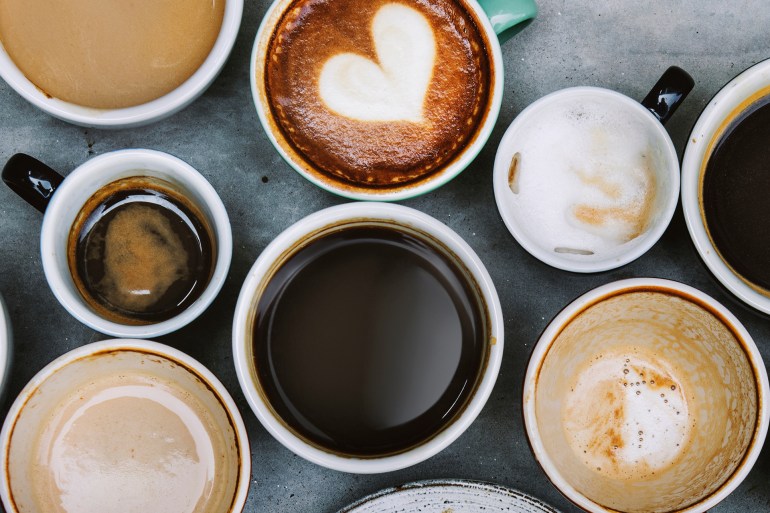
(141,114)
(97,173)
(44,422)
(533,127)
(313,228)
(646,400)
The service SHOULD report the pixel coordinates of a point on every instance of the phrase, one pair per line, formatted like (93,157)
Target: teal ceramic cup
(382,80)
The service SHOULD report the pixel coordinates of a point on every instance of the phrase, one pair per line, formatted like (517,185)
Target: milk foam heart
(392,89)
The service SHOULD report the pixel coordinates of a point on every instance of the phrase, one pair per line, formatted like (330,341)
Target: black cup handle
(668,93)
(31,179)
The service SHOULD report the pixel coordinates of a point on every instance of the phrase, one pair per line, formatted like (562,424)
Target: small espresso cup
(124,425)
(367,337)
(375,101)
(724,205)
(137,115)
(646,395)
(587,179)
(134,243)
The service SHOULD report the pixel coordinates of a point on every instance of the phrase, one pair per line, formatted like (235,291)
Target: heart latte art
(376,94)
(393,88)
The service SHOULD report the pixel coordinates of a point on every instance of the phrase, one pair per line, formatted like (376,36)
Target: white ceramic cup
(646,395)
(650,114)
(68,198)
(503,18)
(36,406)
(748,87)
(6,346)
(359,214)
(138,115)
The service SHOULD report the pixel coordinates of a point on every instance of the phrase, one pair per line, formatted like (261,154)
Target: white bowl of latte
(646,395)
(733,99)
(138,115)
(359,191)
(595,180)
(124,426)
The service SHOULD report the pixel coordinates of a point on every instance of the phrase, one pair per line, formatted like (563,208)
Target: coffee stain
(513,175)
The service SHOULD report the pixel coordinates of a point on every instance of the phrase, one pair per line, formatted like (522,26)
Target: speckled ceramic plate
(452,496)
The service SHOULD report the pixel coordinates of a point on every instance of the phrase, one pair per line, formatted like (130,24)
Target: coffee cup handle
(31,179)
(509,17)
(668,93)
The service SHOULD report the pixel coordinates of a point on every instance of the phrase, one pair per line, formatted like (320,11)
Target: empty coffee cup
(587,179)
(134,243)
(124,426)
(646,395)
(367,337)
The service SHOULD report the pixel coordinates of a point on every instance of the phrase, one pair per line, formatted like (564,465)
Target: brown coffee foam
(374,154)
(111,53)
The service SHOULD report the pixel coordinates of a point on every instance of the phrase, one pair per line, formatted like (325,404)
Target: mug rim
(148,346)
(6,345)
(602,293)
(648,239)
(433,182)
(704,134)
(335,216)
(51,254)
(137,115)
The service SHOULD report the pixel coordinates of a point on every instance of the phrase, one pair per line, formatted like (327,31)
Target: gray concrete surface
(617,44)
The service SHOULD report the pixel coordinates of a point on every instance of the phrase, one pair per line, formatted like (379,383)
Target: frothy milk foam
(583,176)
(626,416)
(393,88)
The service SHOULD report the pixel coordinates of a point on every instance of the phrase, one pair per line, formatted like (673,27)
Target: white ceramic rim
(244,474)
(649,238)
(555,326)
(719,108)
(451,171)
(6,346)
(73,302)
(138,115)
(340,214)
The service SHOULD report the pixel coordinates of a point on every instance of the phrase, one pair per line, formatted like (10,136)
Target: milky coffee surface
(378,93)
(109,53)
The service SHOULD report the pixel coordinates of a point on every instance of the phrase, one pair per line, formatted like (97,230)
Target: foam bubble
(586,179)
(393,88)
(627,416)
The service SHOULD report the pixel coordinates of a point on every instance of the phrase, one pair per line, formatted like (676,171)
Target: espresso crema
(377,94)
(111,53)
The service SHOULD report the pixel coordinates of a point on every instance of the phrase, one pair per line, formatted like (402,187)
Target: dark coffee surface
(736,194)
(376,153)
(368,341)
(139,254)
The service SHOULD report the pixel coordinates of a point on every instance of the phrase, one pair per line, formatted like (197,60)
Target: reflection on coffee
(378,94)
(111,53)
(734,198)
(369,340)
(139,252)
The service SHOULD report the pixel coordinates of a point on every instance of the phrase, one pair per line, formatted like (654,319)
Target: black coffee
(736,194)
(369,341)
(139,252)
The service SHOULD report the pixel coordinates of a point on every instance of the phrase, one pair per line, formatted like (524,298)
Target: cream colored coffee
(138,438)
(110,53)
(646,401)
(377,94)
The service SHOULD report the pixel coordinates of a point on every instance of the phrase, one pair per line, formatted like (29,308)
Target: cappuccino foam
(584,175)
(377,94)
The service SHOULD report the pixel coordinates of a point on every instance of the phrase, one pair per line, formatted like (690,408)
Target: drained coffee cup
(586,179)
(381,100)
(134,243)
(646,395)
(115,64)
(367,337)
(725,185)
(124,426)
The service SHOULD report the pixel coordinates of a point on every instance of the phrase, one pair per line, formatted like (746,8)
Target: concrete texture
(616,44)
